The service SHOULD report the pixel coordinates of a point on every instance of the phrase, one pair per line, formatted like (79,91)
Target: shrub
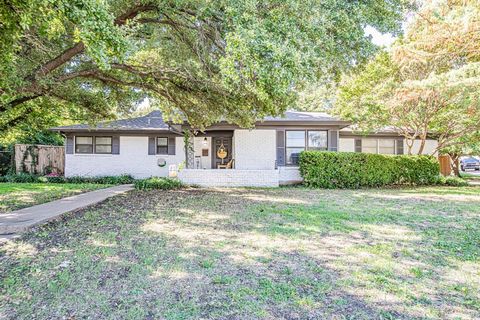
(22,177)
(158,183)
(323,169)
(54,178)
(123,179)
(455,182)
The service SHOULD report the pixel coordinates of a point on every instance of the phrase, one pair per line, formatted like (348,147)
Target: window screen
(369,145)
(162,145)
(317,140)
(103,144)
(386,146)
(83,144)
(295,143)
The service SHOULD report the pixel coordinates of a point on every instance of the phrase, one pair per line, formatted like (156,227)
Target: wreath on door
(222,152)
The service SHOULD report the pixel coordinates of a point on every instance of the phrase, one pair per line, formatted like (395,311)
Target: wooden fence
(445,165)
(39,159)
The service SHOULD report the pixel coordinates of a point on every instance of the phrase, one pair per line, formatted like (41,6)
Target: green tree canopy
(197,59)
(427,83)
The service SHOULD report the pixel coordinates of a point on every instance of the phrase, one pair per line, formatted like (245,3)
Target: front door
(217,143)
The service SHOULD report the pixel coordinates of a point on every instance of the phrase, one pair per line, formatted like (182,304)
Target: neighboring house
(264,156)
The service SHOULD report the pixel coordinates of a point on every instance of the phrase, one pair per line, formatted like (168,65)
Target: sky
(380,39)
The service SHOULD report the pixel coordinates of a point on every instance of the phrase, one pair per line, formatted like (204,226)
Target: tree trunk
(409,143)
(422,144)
(455,163)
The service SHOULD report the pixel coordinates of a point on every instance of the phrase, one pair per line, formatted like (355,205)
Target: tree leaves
(429,81)
(202,60)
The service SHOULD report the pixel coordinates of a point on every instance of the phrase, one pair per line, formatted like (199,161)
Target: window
(103,145)
(298,141)
(358,145)
(399,146)
(162,145)
(317,140)
(295,143)
(386,146)
(369,145)
(380,146)
(83,144)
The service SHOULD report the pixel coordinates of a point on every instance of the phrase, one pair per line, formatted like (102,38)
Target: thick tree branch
(78,48)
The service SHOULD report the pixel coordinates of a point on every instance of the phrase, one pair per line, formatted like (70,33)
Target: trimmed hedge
(323,169)
(31,178)
(158,183)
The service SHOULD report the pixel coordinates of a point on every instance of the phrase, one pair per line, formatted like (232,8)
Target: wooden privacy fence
(445,165)
(39,159)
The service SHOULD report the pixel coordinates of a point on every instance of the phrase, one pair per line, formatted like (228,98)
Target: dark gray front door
(217,142)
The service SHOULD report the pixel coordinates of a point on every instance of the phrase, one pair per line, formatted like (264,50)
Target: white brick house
(222,155)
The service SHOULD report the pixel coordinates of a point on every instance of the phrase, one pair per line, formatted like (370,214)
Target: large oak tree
(197,59)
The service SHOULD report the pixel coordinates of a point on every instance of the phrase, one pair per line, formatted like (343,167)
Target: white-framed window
(103,145)
(369,145)
(93,145)
(297,141)
(379,146)
(83,144)
(386,146)
(162,145)
(317,140)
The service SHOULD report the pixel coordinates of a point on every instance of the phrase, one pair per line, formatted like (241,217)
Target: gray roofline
(66,129)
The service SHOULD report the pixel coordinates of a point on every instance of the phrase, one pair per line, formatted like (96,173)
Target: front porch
(249,159)
(211,150)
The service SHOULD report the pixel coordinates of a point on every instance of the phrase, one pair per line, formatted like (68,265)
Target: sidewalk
(21,220)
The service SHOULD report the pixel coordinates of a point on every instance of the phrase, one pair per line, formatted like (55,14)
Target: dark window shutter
(399,146)
(333,140)
(171,145)
(280,147)
(116,145)
(358,145)
(69,145)
(151,145)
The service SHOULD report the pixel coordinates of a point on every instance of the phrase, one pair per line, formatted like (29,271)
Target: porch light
(205,142)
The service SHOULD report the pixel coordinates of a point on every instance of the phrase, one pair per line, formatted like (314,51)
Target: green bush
(22,177)
(158,183)
(123,179)
(455,182)
(31,178)
(323,169)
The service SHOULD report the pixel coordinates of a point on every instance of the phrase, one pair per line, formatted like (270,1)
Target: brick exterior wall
(289,175)
(255,149)
(133,159)
(230,178)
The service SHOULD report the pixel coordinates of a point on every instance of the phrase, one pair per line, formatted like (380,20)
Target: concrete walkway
(21,220)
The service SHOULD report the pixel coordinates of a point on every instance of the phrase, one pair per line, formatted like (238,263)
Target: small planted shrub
(323,169)
(158,183)
(123,179)
(22,177)
(455,182)
(55,178)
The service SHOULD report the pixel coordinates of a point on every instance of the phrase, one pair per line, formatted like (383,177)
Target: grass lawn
(471,175)
(20,195)
(287,253)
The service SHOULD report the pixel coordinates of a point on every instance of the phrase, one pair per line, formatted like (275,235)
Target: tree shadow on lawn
(215,254)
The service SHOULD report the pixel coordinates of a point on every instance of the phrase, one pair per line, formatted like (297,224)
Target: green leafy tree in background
(428,82)
(198,59)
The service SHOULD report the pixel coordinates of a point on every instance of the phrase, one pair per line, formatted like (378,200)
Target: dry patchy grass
(288,253)
(15,196)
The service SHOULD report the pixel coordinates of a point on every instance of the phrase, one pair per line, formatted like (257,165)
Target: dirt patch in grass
(288,253)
